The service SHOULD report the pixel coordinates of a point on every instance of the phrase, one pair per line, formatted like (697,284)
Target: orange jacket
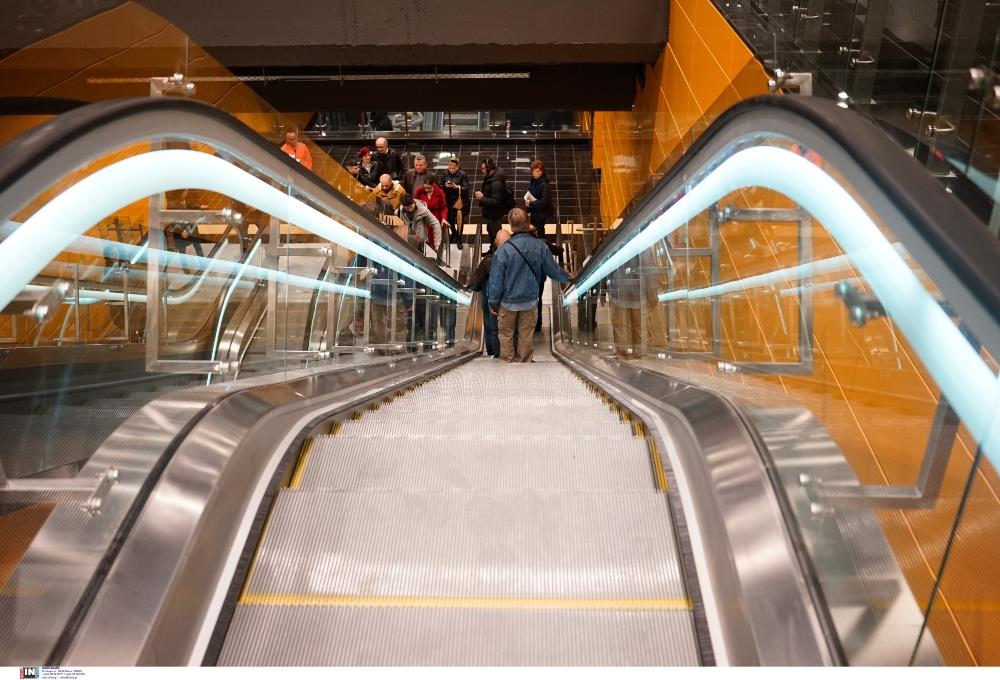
(301,154)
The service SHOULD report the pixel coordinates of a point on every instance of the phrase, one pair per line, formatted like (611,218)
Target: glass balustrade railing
(166,259)
(779,271)
(150,246)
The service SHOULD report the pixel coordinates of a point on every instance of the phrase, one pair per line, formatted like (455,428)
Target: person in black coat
(491,197)
(479,282)
(455,183)
(369,169)
(538,200)
(388,159)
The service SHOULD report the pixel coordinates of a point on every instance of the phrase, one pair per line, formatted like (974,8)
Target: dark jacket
(481,277)
(390,163)
(451,194)
(370,177)
(412,181)
(492,200)
(515,279)
(541,209)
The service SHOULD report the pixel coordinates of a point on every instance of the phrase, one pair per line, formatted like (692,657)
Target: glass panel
(962,611)
(924,70)
(446,124)
(118,293)
(855,370)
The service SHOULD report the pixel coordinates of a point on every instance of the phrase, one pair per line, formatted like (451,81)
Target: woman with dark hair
(369,169)
(538,199)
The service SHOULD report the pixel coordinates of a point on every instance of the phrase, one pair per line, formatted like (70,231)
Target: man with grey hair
(414,178)
(519,267)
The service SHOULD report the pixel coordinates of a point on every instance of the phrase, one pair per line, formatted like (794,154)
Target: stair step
(341,463)
(388,636)
(431,427)
(453,544)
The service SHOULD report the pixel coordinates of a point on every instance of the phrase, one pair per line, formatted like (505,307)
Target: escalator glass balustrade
(168,249)
(785,275)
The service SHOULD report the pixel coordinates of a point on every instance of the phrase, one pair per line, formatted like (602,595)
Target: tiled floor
(568,165)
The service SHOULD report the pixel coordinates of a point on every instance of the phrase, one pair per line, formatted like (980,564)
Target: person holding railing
(433,197)
(518,268)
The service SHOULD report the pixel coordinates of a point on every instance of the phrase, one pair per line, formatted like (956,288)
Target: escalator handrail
(29,162)
(947,228)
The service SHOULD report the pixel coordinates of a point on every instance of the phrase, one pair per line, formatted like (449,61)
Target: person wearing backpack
(494,197)
(518,268)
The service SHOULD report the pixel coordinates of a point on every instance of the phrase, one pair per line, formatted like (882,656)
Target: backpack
(508,198)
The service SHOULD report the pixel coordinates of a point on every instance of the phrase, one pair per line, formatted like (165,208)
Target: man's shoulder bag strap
(537,277)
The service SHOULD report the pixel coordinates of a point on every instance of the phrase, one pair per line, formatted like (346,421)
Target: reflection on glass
(876,402)
(471,124)
(232,275)
(924,70)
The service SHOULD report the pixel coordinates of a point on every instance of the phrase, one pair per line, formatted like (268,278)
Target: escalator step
(431,428)
(339,463)
(524,545)
(304,636)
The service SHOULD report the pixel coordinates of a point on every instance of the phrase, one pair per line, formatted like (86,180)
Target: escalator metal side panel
(758,600)
(160,599)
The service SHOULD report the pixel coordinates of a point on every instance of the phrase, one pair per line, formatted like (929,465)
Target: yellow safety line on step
(256,552)
(337,426)
(661,475)
(300,471)
(617,604)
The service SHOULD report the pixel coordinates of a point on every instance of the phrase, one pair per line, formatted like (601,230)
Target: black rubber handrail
(21,154)
(962,242)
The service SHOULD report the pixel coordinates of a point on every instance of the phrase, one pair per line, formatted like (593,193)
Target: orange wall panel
(699,69)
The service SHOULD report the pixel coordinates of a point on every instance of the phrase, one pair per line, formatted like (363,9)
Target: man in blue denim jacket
(519,267)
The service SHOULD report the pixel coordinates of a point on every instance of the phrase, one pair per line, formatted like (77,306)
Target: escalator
(523,539)
(703,466)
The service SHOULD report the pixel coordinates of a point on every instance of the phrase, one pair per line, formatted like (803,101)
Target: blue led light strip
(964,378)
(54,226)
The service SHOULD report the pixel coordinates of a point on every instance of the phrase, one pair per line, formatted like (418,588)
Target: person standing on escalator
(518,267)
(455,183)
(296,149)
(493,197)
(480,283)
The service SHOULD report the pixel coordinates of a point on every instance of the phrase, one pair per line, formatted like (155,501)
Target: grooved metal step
(531,544)
(345,463)
(431,427)
(569,414)
(529,533)
(315,636)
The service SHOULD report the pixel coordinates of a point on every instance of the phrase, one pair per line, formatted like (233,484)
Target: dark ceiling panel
(576,87)
(430,32)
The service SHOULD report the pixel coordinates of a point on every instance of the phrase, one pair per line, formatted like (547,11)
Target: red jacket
(436,202)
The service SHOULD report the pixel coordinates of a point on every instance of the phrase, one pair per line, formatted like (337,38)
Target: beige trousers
(524,324)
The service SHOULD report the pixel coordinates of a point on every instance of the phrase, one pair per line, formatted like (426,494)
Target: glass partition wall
(449,124)
(172,262)
(925,70)
(767,277)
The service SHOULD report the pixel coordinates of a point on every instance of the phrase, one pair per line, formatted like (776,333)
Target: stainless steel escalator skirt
(224,438)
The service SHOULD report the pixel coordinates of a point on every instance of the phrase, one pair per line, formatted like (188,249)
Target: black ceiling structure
(433,55)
